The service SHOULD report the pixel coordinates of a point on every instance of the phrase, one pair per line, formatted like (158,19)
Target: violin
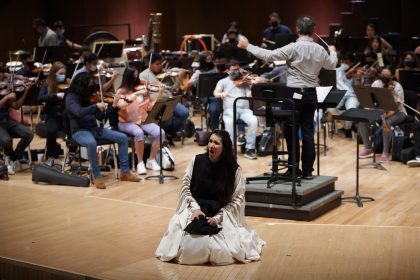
(64,86)
(246,78)
(96,98)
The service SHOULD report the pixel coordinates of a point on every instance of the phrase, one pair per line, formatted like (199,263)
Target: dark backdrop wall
(182,17)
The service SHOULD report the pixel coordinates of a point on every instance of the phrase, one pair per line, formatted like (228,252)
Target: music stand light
(162,111)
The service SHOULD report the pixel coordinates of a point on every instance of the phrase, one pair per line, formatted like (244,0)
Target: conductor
(304,58)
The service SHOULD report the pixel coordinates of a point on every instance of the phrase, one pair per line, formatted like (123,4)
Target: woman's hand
(212,221)
(196,214)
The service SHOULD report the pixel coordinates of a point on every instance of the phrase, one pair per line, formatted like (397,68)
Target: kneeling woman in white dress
(209,224)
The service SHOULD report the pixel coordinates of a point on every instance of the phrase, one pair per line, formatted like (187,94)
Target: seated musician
(230,49)
(149,77)
(90,65)
(59,29)
(368,72)
(225,37)
(133,109)
(269,34)
(52,96)
(345,81)
(47,37)
(371,31)
(85,130)
(28,69)
(10,129)
(390,118)
(228,89)
(375,45)
(408,62)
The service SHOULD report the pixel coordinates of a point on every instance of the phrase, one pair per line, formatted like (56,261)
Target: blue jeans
(88,139)
(178,120)
(248,117)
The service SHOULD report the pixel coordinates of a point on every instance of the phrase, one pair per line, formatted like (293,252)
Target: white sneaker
(152,164)
(10,166)
(141,169)
(414,162)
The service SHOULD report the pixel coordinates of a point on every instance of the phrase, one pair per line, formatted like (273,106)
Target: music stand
(161,111)
(205,87)
(109,49)
(378,99)
(52,54)
(274,96)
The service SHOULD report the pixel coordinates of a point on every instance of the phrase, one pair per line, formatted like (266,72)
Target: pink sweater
(133,111)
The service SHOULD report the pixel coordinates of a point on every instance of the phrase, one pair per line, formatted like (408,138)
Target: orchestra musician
(232,25)
(367,73)
(59,29)
(305,59)
(269,34)
(386,80)
(90,65)
(228,89)
(408,62)
(371,31)
(85,130)
(230,49)
(133,110)
(53,98)
(47,37)
(10,128)
(149,76)
(29,70)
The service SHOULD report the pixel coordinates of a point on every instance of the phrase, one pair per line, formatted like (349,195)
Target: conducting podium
(162,111)
(373,102)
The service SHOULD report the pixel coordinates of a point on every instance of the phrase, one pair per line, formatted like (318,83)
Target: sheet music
(322,92)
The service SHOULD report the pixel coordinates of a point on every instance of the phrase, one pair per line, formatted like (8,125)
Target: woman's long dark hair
(128,80)
(225,183)
(80,86)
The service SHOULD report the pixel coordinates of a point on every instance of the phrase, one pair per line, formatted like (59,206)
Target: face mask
(410,63)
(136,81)
(274,23)
(30,63)
(209,65)
(221,67)
(92,68)
(233,40)
(344,66)
(235,74)
(385,80)
(60,78)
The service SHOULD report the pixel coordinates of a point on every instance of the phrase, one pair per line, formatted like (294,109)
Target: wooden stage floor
(113,233)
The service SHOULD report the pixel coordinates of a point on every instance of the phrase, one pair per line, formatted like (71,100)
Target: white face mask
(344,66)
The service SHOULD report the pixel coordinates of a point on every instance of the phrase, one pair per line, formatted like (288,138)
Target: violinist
(149,77)
(85,130)
(228,89)
(10,128)
(90,65)
(390,118)
(29,70)
(367,73)
(47,37)
(132,114)
(53,98)
(345,82)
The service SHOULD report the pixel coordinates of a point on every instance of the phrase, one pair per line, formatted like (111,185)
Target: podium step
(280,193)
(305,212)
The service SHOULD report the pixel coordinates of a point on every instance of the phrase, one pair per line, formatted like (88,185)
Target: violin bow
(42,63)
(322,40)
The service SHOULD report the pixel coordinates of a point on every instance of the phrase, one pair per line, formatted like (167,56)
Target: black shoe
(307,176)
(250,153)
(288,173)
(241,140)
(348,133)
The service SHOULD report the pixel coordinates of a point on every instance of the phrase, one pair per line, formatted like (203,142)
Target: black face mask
(136,81)
(410,63)
(385,80)
(233,41)
(235,75)
(221,67)
(274,23)
(208,65)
